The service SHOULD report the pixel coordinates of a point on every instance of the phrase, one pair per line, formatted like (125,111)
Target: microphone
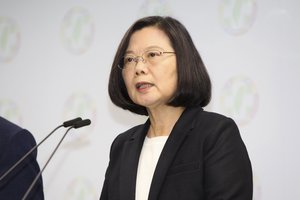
(76,125)
(82,123)
(71,122)
(65,124)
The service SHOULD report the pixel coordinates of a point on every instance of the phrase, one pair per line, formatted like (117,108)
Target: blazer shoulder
(213,118)
(7,128)
(14,141)
(128,134)
(118,143)
(215,125)
(198,114)
(8,131)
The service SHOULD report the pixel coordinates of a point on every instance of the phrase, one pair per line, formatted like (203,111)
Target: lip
(143,86)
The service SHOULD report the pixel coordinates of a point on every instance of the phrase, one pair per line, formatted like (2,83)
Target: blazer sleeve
(228,173)
(19,180)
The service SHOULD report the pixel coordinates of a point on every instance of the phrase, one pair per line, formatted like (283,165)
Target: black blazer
(14,143)
(204,158)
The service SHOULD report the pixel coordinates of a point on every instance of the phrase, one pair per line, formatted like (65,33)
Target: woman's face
(150,78)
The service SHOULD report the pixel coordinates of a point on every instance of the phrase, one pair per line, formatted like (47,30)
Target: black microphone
(65,124)
(72,122)
(82,123)
(76,125)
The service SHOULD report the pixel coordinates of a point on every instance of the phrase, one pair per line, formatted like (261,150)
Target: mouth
(143,85)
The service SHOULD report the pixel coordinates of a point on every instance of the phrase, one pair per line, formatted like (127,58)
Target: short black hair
(194,85)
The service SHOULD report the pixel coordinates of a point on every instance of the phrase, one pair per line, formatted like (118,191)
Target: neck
(163,120)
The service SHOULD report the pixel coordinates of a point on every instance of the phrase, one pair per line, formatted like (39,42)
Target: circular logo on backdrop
(155,7)
(237,16)
(77,30)
(80,189)
(239,99)
(79,105)
(9,39)
(10,111)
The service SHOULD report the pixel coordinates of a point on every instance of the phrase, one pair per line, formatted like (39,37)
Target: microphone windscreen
(71,122)
(82,123)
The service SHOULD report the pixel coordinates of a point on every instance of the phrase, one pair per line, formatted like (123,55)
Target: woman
(182,151)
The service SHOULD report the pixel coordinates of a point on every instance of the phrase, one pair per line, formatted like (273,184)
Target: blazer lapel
(130,159)
(180,131)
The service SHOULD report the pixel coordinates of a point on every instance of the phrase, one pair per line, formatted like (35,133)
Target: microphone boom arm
(27,154)
(41,171)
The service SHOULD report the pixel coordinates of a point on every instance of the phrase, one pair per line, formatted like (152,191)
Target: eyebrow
(146,49)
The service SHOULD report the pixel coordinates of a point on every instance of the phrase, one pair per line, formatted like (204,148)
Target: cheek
(168,81)
(171,76)
(127,79)
(174,79)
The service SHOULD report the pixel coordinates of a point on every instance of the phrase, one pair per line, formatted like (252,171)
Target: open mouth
(143,85)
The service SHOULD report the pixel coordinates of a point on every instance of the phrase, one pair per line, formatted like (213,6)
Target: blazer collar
(182,128)
(130,159)
(132,150)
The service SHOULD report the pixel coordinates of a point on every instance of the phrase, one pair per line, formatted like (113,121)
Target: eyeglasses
(152,56)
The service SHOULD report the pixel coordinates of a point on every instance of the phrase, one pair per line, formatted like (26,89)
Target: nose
(140,68)
(139,58)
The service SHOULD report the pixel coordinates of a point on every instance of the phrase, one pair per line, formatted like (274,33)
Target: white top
(150,153)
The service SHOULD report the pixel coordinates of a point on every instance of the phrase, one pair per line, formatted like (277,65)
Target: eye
(153,54)
(128,59)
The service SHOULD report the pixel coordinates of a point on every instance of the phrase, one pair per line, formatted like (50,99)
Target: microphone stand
(41,171)
(27,154)
(75,125)
(65,124)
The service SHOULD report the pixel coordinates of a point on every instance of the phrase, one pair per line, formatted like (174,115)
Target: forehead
(148,37)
